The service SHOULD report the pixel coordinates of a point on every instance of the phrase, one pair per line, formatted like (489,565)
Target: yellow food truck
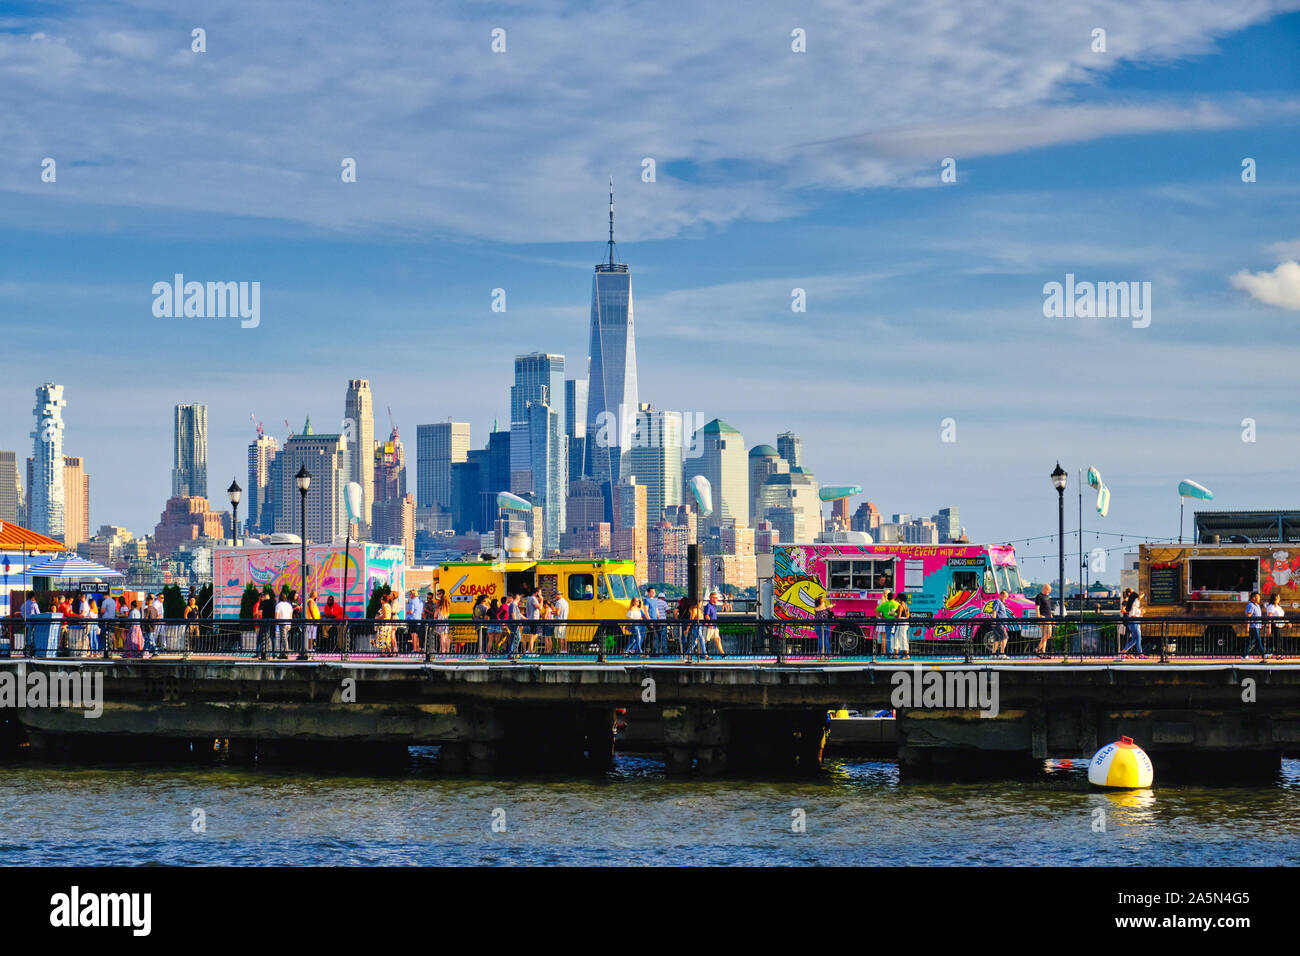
(595,590)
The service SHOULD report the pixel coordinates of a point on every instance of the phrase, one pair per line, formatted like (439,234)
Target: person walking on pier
(1000,634)
(635,613)
(710,615)
(696,631)
(1044,603)
(134,638)
(312,614)
(442,629)
(1132,612)
(1254,619)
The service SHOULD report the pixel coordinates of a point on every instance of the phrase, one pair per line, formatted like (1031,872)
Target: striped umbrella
(71,565)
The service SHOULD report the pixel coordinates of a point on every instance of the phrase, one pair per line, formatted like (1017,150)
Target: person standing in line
(192,621)
(1044,604)
(561,628)
(478,613)
(651,613)
(283,614)
(147,613)
(443,628)
(821,614)
(1254,618)
(532,613)
(312,615)
(1000,635)
(887,610)
(901,642)
(493,614)
(1276,626)
(134,637)
(636,614)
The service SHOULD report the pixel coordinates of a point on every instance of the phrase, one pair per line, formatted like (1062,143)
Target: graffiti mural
(368,567)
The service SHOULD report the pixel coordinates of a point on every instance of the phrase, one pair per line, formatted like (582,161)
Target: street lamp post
(234,493)
(1059,479)
(303,480)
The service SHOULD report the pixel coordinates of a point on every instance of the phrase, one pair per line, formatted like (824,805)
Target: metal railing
(780,641)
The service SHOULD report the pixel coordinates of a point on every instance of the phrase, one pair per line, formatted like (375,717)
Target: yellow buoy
(1121,764)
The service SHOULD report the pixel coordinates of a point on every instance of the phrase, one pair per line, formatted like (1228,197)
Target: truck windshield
(616,587)
(1009,578)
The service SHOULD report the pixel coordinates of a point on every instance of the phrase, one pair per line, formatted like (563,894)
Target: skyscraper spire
(611,220)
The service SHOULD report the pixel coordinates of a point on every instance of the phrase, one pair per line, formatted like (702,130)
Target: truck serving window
(860,575)
(1223,574)
(964,581)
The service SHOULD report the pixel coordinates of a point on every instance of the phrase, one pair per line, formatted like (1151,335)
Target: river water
(855,812)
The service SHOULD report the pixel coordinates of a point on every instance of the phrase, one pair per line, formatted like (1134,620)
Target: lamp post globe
(234,493)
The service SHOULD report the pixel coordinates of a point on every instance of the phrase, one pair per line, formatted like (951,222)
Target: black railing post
(779,633)
(422,630)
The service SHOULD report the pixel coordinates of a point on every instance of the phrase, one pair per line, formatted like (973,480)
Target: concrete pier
(1230,720)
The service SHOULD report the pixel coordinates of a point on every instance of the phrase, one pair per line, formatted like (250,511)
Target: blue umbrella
(71,566)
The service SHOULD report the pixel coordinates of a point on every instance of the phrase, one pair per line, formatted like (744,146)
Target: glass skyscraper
(538,451)
(611,372)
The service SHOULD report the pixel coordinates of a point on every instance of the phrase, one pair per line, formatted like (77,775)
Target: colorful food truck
(946,582)
(275,565)
(1215,580)
(595,590)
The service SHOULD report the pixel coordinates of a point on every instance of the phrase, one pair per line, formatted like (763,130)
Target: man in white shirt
(561,614)
(283,612)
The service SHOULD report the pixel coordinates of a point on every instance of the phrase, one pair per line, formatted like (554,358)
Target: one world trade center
(611,369)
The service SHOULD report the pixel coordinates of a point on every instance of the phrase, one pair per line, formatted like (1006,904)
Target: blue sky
(775,170)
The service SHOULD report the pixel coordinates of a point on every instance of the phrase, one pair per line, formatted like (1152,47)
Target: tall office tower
(949,525)
(390,468)
(611,369)
(467,492)
(46,512)
(575,425)
(261,453)
(840,517)
(190,451)
(359,432)
(10,487)
(497,477)
(538,447)
(792,504)
(723,463)
(790,447)
(764,460)
(866,518)
(629,540)
(76,502)
(584,507)
(437,446)
(656,458)
(328,459)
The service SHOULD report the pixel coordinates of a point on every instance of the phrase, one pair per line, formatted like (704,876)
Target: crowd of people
(133,627)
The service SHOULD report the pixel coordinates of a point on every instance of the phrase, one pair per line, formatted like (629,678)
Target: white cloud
(1281,287)
(453,140)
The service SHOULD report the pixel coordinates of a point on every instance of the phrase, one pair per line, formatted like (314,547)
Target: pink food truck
(945,582)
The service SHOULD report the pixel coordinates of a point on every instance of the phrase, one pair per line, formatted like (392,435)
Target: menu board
(1166,584)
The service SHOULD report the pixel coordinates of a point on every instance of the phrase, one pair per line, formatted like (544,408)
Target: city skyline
(1120,167)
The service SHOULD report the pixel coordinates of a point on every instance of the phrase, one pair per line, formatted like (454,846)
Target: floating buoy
(1121,764)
